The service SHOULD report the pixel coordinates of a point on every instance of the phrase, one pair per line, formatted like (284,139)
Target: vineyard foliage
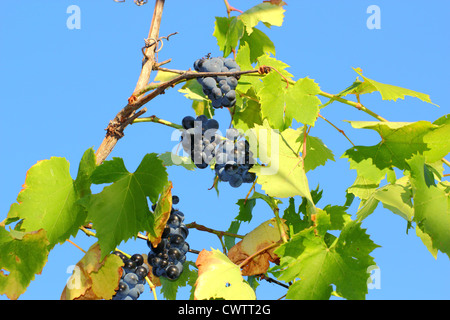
(316,252)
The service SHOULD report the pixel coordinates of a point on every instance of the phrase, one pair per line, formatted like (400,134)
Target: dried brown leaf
(265,235)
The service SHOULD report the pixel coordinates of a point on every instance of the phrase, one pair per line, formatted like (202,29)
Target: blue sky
(60,87)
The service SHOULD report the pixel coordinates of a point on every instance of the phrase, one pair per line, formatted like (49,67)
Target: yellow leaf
(219,278)
(92,278)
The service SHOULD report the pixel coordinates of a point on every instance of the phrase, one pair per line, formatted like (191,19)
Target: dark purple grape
(130,264)
(141,272)
(173,272)
(188,122)
(138,259)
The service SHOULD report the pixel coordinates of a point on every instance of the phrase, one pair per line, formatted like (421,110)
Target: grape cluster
(199,139)
(219,89)
(134,271)
(168,256)
(233,160)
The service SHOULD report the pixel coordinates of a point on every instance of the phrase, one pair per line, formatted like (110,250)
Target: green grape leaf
(247,82)
(85,169)
(259,44)
(387,91)
(203,108)
(366,208)
(445,119)
(367,169)
(317,264)
(121,210)
(438,140)
(284,175)
(219,278)
(396,198)
(363,187)
(269,14)
(267,60)
(245,209)
(193,90)
(306,109)
(94,277)
(22,256)
(228,32)
(49,198)
(431,206)
(281,104)
(294,219)
(172,159)
(399,141)
(200,103)
(427,241)
(357,87)
(245,213)
(338,216)
(273,203)
(317,153)
(230,241)
(247,117)
(243,57)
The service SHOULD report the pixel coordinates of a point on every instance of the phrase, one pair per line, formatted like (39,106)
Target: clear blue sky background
(59,89)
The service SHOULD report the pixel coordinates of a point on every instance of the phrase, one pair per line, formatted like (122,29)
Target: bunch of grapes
(219,89)
(134,271)
(199,139)
(234,160)
(168,256)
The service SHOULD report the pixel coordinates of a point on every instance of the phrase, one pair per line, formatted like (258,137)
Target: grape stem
(194,225)
(224,247)
(340,131)
(152,287)
(354,104)
(230,8)
(183,76)
(305,135)
(76,246)
(216,179)
(89,233)
(283,235)
(252,188)
(155,119)
(270,280)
